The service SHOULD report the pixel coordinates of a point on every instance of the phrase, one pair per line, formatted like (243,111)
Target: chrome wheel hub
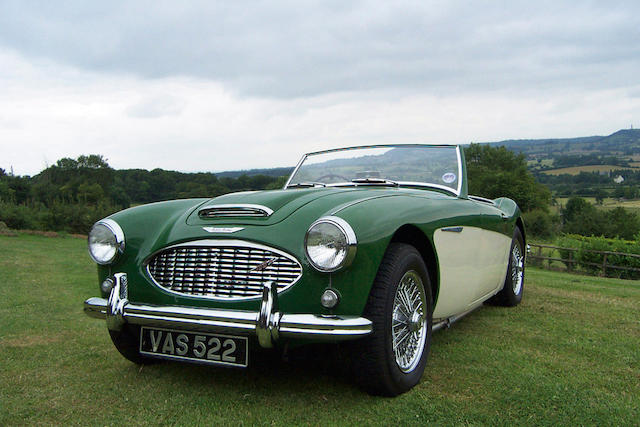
(517,269)
(415,323)
(409,322)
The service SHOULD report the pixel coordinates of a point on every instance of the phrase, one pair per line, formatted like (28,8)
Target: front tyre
(392,359)
(127,342)
(511,293)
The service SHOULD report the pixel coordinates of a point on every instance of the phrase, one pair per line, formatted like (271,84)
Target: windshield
(429,165)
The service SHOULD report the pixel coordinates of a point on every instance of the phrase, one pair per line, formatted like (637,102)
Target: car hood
(148,228)
(283,203)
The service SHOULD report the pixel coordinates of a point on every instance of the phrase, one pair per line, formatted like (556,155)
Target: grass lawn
(568,355)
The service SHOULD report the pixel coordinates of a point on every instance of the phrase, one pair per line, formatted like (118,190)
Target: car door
(472,256)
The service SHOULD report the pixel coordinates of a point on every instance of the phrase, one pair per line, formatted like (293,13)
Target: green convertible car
(377,245)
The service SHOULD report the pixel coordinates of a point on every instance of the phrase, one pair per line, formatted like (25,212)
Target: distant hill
(274,172)
(623,142)
(586,150)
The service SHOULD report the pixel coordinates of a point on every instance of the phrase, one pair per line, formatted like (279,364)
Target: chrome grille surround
(222,269)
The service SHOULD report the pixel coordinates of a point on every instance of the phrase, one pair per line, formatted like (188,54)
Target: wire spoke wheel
(392,359)
(409,321)
(517,271)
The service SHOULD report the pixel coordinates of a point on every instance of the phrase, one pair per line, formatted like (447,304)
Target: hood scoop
(234,211)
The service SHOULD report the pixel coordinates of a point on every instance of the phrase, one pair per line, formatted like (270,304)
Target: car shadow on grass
(321,368)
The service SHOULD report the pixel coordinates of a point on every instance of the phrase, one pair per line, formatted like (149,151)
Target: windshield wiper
(375,181)
(307,184)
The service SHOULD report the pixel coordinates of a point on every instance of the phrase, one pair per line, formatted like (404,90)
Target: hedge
(583,256)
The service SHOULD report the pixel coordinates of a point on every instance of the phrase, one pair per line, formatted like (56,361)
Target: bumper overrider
(268,324)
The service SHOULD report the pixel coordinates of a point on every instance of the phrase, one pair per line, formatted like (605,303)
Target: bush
(581,217)
(591,262)
(20,217)
(540,224)
(70,218)
(6,231)
(568,242)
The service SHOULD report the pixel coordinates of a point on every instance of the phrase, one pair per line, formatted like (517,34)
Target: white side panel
(473,264)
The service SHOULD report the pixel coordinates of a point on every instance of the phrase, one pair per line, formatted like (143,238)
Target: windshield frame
(457,191)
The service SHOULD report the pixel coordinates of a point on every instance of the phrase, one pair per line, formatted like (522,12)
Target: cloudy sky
(236,85)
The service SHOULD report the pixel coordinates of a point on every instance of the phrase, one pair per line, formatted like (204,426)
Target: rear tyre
(511,293)
(392,359)
(127,342)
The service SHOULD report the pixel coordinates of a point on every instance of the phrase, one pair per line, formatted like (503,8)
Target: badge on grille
(264,265)
(222,229)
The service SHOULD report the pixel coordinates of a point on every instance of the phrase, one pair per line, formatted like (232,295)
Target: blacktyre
(511,293)
(392,359)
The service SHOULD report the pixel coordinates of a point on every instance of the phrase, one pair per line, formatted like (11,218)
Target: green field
(568,355)
(575,170)
(607,203)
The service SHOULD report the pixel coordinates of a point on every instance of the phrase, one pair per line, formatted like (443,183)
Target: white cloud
(211,87)
(306,48)
(48,112)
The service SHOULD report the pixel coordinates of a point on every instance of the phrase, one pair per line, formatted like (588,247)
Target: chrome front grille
(222,269)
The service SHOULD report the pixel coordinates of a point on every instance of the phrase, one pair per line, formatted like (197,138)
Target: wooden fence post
(540,261)
(537,258)
(570,264)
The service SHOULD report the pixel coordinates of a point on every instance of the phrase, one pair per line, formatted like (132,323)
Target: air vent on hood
(233,210)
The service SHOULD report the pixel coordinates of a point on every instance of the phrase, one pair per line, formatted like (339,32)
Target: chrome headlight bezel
(117,244)
(350,243)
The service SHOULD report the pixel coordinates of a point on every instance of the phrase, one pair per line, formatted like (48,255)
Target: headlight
(106,239)
(330,244)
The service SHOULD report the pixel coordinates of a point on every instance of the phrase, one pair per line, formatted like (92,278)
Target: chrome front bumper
(269,325)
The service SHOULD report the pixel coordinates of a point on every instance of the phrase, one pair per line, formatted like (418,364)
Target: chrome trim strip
(269,325)
(482,199)
(117,231)
(400,184)
(314,327)
(221,243)
(446,323)
(295,170)
(233,210)
(333,150)
(459,171)
(453,229)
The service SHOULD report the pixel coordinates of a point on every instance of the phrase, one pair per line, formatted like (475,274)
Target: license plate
(199,347)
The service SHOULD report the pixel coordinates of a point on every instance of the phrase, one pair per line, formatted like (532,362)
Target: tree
(90,193)
(495,171)
(622,223)
(67,164)
(7,194)
(540,224)
(575,207)
(581,217)
(93,161)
